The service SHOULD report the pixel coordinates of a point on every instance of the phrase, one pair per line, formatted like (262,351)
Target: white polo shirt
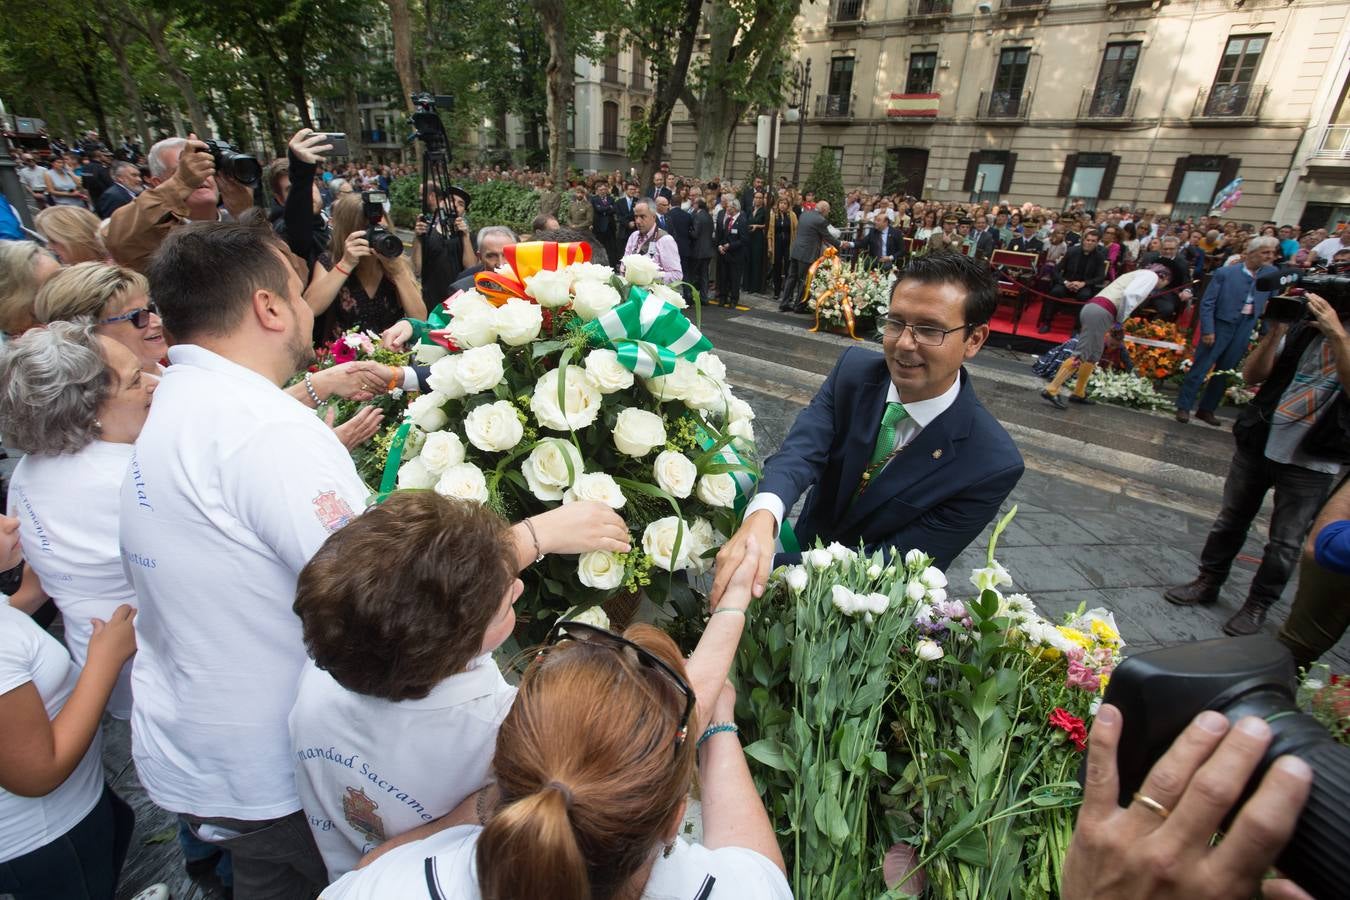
(443,867)
(369,769)
(232,488)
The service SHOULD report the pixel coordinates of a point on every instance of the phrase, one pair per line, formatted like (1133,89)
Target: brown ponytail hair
(589,778)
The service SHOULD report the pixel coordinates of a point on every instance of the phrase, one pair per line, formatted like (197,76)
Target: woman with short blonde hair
(73,234)
(113,298)
(24,268)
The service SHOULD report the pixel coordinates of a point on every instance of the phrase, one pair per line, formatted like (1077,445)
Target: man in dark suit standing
(896,448)
(623,213)
(813,234)
(702,249)
(127,186)
(883,243)
(602,223)
(1079,275)
(731,235)
(679,225)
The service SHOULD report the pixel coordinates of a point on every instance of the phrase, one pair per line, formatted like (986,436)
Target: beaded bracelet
(309,389)
(716,728)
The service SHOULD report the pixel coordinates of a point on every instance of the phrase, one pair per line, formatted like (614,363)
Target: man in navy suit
(1229,309)
(883,243)
(897,450)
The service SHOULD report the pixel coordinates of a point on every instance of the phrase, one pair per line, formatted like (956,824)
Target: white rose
(669,295)
(707,394)
(494,427)
(595,486)
(702,537)
(675,473)
(444,377)
(915,591)
(739,411)
(845,600)
(658,542)
(708,363)
(518,322)
(608,372)
(442,450)
(932,577)
(600,569)
(916,558)
(413,475)
(638,432)
(717,490)
(552,289)
(581,400)
(874,571)
(546,469)
(675,386)
(593,299)
(741,429)
(426,412)
(819,558)
(929,650)
(639,269)
(841,553)
(876,604)
(936,595)
(426,354)
(593,616)
(464,482)
(797,578)
(481,368)
(467,303)
(585,271)
(477,327)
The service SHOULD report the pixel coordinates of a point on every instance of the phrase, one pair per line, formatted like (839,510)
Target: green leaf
(998,530)
(544,348)
(829,817)
(768,752)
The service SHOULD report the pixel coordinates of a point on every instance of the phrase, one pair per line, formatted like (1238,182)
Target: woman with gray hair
(74,402)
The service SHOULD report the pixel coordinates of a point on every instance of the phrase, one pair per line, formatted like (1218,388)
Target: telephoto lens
(1160,692)
(384,242)
(241,167)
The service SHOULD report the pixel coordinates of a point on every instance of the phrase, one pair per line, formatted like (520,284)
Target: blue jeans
(82,864)
(1230,343)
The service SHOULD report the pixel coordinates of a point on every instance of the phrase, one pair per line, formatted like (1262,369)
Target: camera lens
(385,242)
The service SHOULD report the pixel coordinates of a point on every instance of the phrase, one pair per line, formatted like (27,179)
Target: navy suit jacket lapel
(861,436)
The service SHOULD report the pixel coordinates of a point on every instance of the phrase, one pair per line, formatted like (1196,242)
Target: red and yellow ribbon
(524,261)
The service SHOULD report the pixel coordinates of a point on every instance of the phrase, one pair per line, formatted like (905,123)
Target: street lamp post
(802,79)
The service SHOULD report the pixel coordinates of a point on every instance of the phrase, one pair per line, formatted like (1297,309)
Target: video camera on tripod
(430,130)
(1332,285)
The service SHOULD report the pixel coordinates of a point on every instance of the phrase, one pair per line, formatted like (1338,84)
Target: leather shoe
(1083,401)
(1055,400)
(1200,592)
(1182,416)
(1208,418)
(1245,621)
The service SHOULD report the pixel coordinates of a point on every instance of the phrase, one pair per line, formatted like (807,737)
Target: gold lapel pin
(937,454)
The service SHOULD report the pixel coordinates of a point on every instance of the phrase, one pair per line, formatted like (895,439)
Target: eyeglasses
(928,335)
(579,631)
(140,317)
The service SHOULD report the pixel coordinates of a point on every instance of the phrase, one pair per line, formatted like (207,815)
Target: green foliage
(502,203)
(405,199)
(828,184)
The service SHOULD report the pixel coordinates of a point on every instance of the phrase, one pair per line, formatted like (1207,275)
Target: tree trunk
(153,29)
(400,21)
(559,76)
(295,78)
(90,78)
(273,119)
(117,39)
(669,81)
(351,117)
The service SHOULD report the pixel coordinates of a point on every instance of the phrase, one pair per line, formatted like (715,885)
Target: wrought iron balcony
(1232,102)
(1004,106)
(1109,104)
(836,106)
(919,9)
(846,12)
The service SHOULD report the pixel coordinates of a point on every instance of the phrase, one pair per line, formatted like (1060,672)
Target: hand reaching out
(359,428)
(113,641)
(753,542)
(580,528)
(309,146)
(396,336)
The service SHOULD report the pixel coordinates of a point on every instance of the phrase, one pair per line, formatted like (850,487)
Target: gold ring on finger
(1151,805)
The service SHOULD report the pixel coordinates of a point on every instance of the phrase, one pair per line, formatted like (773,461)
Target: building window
(1088,177)
(639,69)
(1233,82)
(989,174)
(838,157)
(611,72)
(848,10)
(840,87)
(1114,80)
(609,128)
(922,68)
(1195,181)
(1009,79)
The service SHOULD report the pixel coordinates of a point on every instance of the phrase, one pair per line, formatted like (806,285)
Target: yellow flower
(1076,636)
(1105,679)
(1104,633)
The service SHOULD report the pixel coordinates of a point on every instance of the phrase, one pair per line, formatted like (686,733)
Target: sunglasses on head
(589,634)
(140,316)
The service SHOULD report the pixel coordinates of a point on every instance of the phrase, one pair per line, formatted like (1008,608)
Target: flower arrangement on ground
(1126,389)
(843,292)
(905,740)
(1158,362)
(557,381)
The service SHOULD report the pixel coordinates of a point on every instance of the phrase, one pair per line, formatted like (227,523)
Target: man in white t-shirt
(1328,248)
(232,488)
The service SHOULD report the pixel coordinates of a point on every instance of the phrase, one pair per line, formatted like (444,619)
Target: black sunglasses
(580,631)
(140,317)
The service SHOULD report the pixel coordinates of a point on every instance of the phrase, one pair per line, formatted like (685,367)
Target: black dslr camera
(1332,286)
(381,239)
(241,167)
(1160,692)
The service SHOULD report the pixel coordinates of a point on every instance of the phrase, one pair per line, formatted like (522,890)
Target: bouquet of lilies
(909,742)
(557,381)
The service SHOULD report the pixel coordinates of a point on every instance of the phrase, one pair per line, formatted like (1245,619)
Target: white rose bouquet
(563,383)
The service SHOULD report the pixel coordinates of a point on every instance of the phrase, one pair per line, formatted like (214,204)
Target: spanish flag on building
(912,105)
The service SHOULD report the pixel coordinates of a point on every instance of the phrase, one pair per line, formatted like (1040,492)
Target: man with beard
(232,488)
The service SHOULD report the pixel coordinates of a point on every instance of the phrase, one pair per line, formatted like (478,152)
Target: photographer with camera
(442,245)
(292,181)
(1293,437)
(363,280)
(190,180)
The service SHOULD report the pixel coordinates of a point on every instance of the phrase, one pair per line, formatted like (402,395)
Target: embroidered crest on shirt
(332,511)
(359,811)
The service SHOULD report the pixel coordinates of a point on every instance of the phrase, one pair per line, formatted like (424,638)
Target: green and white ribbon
(648,334)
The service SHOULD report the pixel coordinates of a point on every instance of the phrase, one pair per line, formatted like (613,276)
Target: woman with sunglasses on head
(593,764)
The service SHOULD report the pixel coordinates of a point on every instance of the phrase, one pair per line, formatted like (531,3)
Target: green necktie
(894,415)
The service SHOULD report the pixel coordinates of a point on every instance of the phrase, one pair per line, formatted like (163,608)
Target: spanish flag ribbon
(525,260)
(648,334)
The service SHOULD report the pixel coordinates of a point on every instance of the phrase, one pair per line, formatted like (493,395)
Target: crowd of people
(310,683)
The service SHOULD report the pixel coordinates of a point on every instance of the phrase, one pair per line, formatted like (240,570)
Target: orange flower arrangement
(1158,362)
